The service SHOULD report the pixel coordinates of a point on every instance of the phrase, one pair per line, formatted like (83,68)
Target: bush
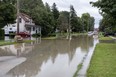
(36,35)
(1,34)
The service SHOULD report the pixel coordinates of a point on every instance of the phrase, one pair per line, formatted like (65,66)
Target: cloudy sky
(81,6)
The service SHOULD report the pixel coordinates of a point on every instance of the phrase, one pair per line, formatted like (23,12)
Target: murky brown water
(47,58)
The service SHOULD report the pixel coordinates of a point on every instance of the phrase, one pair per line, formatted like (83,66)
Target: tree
(73,19)
(88,22)
(48,20)
(7,13)
(63,21)
(55,13)
(91,24)
(107,25)
(106,6)
(79,27)
(108,11)
(48,9)
(86,18)
(30,6)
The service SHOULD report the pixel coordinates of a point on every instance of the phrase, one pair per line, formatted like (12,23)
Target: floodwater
(47,58)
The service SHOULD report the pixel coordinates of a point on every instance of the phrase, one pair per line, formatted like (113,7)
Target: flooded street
(47,58)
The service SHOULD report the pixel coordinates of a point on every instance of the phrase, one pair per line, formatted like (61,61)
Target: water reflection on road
(50,58)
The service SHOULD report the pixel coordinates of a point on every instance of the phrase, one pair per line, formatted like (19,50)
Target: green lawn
(103,63)
(6,43)
(105,38)
(76,34)
(9,43)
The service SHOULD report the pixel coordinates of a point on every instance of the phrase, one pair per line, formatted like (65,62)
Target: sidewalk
(113,37)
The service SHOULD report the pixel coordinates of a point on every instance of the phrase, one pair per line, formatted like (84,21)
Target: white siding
(22,26)
(13,27)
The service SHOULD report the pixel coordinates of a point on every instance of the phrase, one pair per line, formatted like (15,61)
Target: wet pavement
(47,58)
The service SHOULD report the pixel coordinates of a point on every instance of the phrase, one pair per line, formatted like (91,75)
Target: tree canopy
(108,11)
(88,22)
(7,12)
(63,21)
(55,13)
(106,6)
(108,25)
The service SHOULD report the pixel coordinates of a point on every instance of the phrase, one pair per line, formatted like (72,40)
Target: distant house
(26,25)
(96,30)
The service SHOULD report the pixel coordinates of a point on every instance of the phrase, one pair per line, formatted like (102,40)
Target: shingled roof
(25,17)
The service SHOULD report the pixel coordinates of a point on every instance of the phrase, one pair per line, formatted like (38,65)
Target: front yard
(103,63)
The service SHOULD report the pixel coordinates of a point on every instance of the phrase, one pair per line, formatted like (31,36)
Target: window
(20,20)
(10,28)
(33,28)
(13,25)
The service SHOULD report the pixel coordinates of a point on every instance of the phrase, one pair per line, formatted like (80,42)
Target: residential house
(26,25)
(96,30)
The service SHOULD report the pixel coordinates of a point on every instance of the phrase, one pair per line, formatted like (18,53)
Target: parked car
(109,34)
(24,34)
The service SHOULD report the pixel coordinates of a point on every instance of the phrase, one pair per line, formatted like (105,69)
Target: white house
(26,25)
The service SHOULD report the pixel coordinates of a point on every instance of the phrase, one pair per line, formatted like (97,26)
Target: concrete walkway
(113,37)
(9,62)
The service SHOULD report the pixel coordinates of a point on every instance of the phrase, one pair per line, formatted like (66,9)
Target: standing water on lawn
(47,58)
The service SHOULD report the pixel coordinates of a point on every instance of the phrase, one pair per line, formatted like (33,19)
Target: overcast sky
(81,6)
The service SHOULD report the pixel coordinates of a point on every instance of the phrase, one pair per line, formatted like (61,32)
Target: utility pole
(17,16)
(83,24)
(69,27)
(88,24)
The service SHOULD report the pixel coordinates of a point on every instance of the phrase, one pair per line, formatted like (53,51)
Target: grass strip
(76,34)
(103,63)
(6,43)
(9,42)
(78,69)
(105,38)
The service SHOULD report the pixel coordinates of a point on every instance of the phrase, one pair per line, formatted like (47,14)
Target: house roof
(31,25)
(25,17)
